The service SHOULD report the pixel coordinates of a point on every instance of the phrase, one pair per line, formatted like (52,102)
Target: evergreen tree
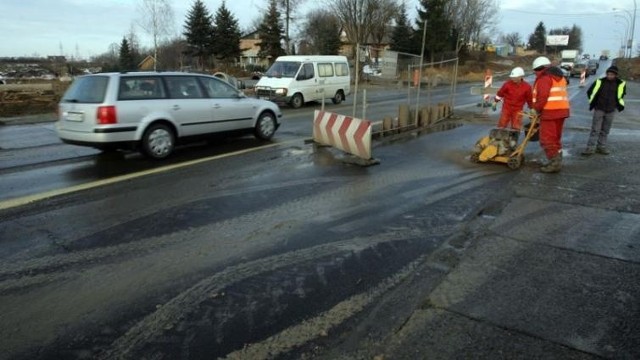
(538,39)
(402,33)
(126,60)
(575,38)
(322,31)
(226,36)
(198,30)
(270,31)
(438,38)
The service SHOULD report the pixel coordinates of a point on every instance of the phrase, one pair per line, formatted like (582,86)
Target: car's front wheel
(265,126)
(158,141)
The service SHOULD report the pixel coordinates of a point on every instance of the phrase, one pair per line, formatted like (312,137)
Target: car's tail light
(107,115)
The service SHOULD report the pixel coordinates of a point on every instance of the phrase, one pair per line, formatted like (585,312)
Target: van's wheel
(338,97)
(158,141)
(297,101)
(265,126)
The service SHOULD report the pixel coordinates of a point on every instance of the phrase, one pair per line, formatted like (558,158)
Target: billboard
(557,40)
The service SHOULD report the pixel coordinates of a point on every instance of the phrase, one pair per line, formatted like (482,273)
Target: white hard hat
(517,72)
(541,61)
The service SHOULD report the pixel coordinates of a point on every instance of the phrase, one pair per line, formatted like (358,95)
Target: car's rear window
(87,89)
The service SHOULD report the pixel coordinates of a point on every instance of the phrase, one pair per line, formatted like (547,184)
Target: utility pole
(287,20)
(633,27)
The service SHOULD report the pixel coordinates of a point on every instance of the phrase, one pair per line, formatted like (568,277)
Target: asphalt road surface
(238,249)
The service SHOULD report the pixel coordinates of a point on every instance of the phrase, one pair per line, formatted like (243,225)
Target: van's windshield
(283,69)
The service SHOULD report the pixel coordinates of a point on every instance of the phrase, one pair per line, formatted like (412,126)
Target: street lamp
(632,18)
(626,31)
(623,48)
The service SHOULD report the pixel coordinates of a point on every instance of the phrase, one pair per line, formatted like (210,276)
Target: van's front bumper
(272,95)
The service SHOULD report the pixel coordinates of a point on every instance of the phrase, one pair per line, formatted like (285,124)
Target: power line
(560,14)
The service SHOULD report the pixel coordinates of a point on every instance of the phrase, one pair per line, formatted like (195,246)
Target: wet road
(224,253)
(33,160)
(198,261)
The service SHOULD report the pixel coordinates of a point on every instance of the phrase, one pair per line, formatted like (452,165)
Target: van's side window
(183,87)
(325,70)
(218,89)
(140,87)
(342,69)
(307,72)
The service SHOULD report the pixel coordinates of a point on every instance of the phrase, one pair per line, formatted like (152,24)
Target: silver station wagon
(152,111)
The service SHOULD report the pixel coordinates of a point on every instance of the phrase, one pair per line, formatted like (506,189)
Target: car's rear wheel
(265,126)
(158,141)
(297,101)
(338,97)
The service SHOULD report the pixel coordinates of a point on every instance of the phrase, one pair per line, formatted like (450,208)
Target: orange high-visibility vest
(558,96)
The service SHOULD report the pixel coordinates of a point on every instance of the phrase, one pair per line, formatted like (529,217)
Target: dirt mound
(30,98)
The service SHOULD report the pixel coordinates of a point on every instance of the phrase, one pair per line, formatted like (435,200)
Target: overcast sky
(42,27)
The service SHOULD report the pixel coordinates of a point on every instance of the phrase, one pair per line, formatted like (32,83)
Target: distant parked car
(238,84)
(371,71)
(152,111)
(593,66)
(578,69)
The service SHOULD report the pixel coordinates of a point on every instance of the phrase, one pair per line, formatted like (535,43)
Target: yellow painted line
(21,201)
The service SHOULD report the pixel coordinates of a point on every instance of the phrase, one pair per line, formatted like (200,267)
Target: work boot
(588,152)
(603,150)
(554,165)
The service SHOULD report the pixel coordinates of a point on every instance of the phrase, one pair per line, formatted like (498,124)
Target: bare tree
(321,33)
(134,43)
(356,17)
(513,39)
(471,18)
(172,54)
(157,21)
(384,13)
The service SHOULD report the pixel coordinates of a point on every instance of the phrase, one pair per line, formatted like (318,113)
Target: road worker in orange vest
(551,103)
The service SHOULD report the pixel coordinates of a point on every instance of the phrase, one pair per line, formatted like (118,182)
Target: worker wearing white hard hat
(514,94)
(551,102)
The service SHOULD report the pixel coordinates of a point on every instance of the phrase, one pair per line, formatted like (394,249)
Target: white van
(297,79)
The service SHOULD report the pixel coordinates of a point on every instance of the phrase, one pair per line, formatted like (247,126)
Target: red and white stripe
(488,82)
(343,132)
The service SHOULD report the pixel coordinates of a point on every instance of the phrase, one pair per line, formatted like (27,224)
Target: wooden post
(403,115)
(387,124)
(424,117)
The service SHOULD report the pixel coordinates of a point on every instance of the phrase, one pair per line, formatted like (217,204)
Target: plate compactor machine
(502,146)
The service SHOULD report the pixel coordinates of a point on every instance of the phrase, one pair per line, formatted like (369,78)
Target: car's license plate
(74,116)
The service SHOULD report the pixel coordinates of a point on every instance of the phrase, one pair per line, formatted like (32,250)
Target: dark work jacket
(595,90)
